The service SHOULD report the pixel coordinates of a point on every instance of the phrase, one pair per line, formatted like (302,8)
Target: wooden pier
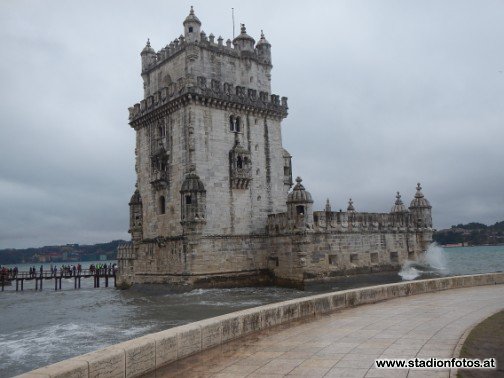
(100,276)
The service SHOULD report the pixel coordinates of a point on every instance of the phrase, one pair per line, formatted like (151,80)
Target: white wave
(432,262)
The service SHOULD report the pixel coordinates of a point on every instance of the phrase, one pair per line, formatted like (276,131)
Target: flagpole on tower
(232,16)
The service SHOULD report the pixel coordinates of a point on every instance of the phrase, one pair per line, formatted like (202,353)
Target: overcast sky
(382,94)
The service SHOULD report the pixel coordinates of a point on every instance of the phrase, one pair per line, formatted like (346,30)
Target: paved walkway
(346,343)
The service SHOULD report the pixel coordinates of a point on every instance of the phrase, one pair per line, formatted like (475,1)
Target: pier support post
(55,283)
(79,282)
(36,283)
(22,283)
(60,283)
(106,280)
(17,284)
(41,280)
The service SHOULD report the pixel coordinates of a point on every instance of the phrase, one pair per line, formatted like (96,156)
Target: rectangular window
(333,260)
(394,257)
(354,257)
(374,257)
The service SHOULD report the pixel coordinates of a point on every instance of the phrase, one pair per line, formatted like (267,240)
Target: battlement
(339,221)
(180,44)
(214,92)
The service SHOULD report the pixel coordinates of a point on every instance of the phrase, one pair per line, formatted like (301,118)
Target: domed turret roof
(419,200)
(398,206)
(244,36)
(192,183)
(148,49)
(239,149)
(299,194)
(263,41)
(136,199)
(192,17)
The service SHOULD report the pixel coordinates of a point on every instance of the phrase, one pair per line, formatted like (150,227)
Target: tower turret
(300,206)
(350,208)
(193,202)
(136,216)
(398,207)
(148,56)
(421,209)
(244,42)
(264,49)
(192,26)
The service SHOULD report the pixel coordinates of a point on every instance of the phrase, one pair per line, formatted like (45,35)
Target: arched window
(239,163)
(190,29)
(188,200)
(234,124)
(162,205)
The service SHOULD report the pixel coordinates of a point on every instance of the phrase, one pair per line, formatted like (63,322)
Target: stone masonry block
(251,321)
(338,301)
(188,340)
(140,356)
(270,316)
(211,333)
(166,346)
(231,327)
(108,362)
(306,307)
(322,304)
(352,298)
(290,311)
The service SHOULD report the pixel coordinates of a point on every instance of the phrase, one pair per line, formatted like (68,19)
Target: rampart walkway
(346,343)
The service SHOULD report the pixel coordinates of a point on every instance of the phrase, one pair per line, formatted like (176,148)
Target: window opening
(300,210)
(162,205)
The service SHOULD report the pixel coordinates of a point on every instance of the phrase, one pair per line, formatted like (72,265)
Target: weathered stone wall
(145,354)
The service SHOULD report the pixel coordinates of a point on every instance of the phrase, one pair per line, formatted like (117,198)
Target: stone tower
(209,155)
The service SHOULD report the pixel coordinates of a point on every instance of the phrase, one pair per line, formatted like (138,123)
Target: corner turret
(421,209)
(300,206)
(136,216)
(148,56)
(192,26)
(264,50)
(398,207)
(244,42)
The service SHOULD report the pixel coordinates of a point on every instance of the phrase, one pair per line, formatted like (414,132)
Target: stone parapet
(215,94)
(140,356)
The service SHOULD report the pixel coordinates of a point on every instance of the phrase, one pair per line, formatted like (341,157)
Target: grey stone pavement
(346,343)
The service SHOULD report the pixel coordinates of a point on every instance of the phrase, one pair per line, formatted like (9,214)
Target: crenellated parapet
(211,93)
(260,54)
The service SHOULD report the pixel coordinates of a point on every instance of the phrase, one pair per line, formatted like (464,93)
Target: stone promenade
(346,343)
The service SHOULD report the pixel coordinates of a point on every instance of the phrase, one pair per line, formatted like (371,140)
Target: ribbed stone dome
(135,198)
(263,40)
(148,49)
(192,18)
(244,36)
(399,205)
(192,183)
(299,194)
(419,200)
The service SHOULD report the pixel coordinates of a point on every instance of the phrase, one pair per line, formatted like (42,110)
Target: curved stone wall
(145,354)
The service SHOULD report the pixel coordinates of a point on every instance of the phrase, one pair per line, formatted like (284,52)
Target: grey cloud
(381,95)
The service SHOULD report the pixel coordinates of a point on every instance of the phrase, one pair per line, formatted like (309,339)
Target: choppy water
(39,328)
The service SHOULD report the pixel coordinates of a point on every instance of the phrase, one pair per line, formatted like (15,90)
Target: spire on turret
(350,208)
(244,42)
(192,26)
(398,206)
(419,200)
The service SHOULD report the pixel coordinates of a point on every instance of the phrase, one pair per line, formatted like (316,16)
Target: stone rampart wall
(145,354)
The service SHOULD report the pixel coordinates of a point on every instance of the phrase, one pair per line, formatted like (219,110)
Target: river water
(40,328)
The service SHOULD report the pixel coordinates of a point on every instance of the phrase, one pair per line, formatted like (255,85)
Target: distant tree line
(68,252)
(472,234)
